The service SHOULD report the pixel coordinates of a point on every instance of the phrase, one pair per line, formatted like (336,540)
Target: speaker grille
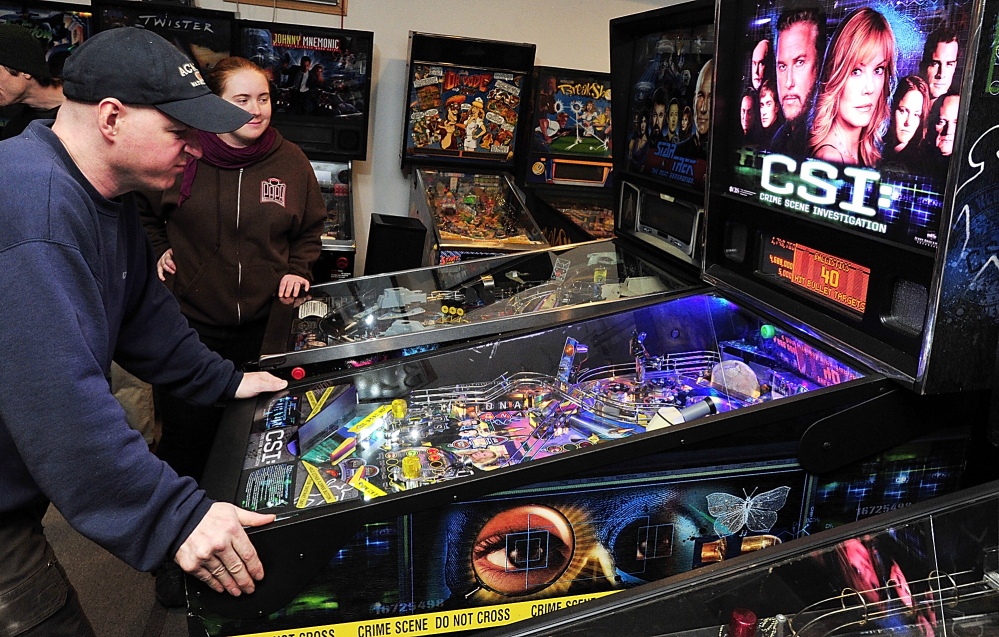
(348,140)
(908,307)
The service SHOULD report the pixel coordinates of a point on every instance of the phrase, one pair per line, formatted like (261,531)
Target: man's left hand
(254,383)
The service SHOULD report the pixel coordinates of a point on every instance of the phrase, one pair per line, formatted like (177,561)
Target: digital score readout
(822,274)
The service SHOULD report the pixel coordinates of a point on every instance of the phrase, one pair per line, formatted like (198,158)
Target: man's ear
(109,112)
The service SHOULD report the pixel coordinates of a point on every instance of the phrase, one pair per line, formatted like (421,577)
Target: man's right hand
(165,265)
(219,553)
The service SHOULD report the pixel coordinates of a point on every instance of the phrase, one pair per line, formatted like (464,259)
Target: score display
(827,276)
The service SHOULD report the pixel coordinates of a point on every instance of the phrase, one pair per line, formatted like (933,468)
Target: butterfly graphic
(756,513)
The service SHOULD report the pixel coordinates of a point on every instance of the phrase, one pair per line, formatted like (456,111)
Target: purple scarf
(218,153)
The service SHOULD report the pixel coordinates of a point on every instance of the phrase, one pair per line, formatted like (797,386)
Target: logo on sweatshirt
(272,191)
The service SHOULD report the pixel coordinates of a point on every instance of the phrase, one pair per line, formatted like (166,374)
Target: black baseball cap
(139,67)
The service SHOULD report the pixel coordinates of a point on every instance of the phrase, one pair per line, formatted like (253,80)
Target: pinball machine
(463,120)
(321,96)
(566,169)
(490,481)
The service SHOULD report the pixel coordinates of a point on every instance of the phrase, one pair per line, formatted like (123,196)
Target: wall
(568,33)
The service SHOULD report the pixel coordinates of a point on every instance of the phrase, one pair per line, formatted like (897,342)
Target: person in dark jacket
(239,228)
(71,227)
(27,87)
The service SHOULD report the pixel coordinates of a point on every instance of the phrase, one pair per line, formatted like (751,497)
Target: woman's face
(768,109)
(908,116)
(248,90)
(862,91)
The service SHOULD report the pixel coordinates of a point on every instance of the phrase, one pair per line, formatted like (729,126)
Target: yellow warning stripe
(365,422)
(303,497)
(317,477)
(439,623)
(366,487)
(317,404)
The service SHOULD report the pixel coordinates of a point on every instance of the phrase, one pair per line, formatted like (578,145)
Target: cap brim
(209,113)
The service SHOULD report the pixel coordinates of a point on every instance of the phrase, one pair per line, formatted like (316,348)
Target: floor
(119,600)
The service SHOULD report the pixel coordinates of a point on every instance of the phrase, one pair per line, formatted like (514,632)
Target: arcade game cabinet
(459,137)
(662,71)
(566,163)
(321,94)
(205,37)
(336,261)
(930,569)
(471,484)
(58,27)
(480,484)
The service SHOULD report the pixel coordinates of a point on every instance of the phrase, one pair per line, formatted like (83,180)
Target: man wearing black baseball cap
(25,80)
(78,287)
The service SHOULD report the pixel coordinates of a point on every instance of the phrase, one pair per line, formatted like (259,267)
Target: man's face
(947,124)
(745,109)
(759,66)
(306,64)
(13,88)
(702,101)
(151,148)
(658,118)
(674,115)
(768,108)
(797,67)
(940,68)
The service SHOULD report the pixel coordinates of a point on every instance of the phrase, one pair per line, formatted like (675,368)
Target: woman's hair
(862,36)
(905,85)
(638,133)
(225,69)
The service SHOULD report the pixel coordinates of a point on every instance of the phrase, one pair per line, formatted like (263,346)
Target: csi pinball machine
(463,119)
(321,96)
(916,253)
(58,28)
(566,164)
(481,485)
